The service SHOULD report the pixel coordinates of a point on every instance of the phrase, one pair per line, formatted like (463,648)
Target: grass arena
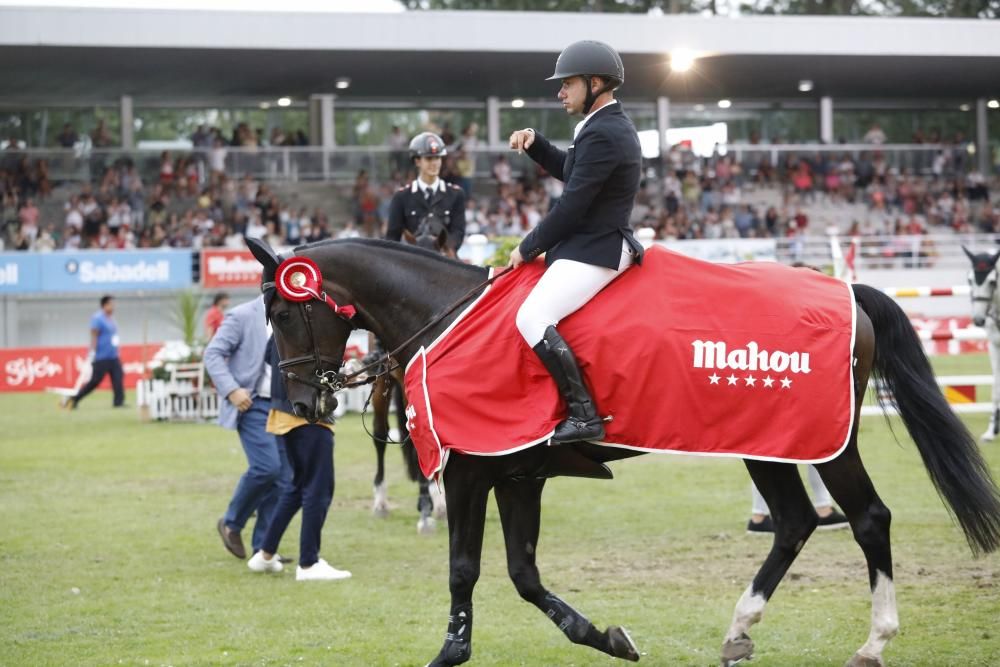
(110,556)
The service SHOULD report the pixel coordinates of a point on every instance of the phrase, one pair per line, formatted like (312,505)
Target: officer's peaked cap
(589,57)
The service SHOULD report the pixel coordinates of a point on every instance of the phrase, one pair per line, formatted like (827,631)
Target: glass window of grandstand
(952,125)
(56,127)
(377,140)
(197,128)
(751,123)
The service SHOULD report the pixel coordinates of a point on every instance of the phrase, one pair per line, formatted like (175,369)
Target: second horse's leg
(381,400)
(520,513)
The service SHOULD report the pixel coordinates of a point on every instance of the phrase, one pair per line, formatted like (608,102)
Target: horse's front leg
(520,513)
(993,345)
(467,489)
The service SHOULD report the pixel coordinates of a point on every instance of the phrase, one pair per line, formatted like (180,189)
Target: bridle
(990,299)
(334,380)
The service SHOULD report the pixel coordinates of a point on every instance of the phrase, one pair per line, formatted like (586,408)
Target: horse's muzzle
(325,404)
(979,321)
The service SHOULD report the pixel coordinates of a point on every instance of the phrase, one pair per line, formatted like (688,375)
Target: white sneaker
(258,563)
(320,571)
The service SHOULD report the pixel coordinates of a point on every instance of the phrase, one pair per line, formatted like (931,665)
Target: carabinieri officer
(586,237)
(428,205)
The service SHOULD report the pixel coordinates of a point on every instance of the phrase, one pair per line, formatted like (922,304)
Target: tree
(576,6)
(984,9)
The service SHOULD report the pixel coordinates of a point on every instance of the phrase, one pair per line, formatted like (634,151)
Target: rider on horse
(428,207)
(586,236)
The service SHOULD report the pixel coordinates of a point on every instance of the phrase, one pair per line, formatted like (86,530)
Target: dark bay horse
(397,290)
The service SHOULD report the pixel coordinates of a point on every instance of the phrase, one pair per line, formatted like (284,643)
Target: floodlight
(725,104)
(805,85)
(517,103)
(342,83)
(964,107)
(284,101)
(993,104)
(681,60)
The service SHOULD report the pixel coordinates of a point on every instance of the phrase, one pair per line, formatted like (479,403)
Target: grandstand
(173,132)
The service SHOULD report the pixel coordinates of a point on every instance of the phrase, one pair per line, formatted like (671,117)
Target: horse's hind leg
(519,503)
(851,487)
(381,400)
(794,521)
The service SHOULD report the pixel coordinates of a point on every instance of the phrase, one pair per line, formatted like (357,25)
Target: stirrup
(579,430)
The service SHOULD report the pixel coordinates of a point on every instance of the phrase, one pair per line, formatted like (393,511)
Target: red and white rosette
(299,279)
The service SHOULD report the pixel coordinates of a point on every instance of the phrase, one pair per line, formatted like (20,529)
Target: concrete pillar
(321,125)
(493,121)
(127,122)
(826,119)
(982,138)
(663,123)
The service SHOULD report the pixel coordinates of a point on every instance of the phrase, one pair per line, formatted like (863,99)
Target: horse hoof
(622,645)
(452,653)
(380,511)
(987,437)
(426,526)
(859,660)
(736,650)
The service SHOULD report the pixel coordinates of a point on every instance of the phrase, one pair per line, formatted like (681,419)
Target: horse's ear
(264,254)
(995,257)
(968,254)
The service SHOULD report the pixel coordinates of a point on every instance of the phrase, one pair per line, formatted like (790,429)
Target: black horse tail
(406,443)
(949,451)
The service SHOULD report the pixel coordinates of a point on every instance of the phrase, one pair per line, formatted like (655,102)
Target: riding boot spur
(583,422)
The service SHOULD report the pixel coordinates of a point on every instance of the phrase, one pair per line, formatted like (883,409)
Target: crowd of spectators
(195,201)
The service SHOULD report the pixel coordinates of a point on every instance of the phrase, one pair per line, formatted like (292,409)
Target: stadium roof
(68,55)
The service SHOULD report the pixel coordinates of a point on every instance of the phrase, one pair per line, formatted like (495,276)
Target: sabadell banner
(95,271)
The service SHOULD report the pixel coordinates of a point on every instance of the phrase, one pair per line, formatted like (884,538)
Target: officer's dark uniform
(409,207)
(444,207)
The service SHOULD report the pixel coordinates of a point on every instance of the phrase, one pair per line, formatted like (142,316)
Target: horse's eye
(284,316)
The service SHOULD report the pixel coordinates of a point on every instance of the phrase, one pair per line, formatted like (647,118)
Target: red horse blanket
(748,360)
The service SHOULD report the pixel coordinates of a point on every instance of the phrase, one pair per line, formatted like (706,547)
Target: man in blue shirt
(103,355)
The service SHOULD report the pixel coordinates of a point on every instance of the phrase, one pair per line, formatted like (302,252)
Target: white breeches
(562,290)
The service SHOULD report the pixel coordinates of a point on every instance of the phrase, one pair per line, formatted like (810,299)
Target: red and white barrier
(906,292)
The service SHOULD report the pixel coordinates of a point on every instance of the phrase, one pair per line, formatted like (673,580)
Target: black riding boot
(583,422)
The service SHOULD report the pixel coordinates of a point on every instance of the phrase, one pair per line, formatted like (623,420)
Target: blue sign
(20,272)
(102,271)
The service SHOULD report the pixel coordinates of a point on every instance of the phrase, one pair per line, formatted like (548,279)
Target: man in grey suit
(235,361)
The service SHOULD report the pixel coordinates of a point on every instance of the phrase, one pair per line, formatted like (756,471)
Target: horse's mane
(395,246)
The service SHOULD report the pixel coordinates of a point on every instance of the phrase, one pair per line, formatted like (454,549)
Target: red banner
(229,268)
(40,368)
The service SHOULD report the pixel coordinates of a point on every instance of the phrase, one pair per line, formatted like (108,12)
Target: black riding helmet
(590,58)
(427,144)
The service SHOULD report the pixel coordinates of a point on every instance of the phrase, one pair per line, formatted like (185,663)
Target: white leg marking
(437,499)
(749,610)
(381,505)
(885,620)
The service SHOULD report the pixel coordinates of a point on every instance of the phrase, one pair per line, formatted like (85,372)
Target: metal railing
(939,251)
(342,163)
